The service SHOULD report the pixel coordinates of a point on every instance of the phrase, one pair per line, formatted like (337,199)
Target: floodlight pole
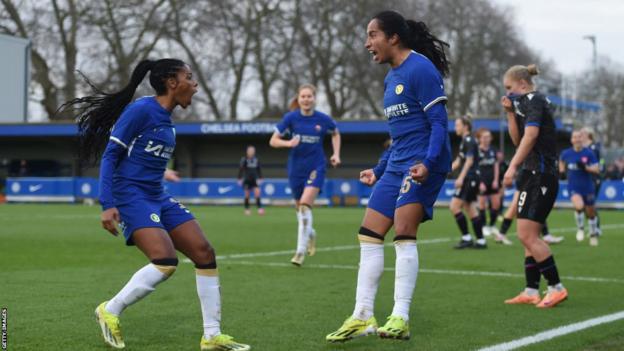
(592,38)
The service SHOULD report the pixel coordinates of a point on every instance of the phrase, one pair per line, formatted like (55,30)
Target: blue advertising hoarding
(226,190)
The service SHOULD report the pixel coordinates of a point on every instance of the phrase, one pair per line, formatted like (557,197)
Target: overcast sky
(555,29)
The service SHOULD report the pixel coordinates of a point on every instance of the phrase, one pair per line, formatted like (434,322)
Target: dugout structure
(214,149)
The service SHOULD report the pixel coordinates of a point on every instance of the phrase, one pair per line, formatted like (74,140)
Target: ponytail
(526,73)
(416,36)
(97,113)
(425,43)
(294,104)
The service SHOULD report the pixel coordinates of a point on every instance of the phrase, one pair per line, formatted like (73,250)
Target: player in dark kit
(580,164)
(489,185)
(467,186)
(532,130)
(250,177)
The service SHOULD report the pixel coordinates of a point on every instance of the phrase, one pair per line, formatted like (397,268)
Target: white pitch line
(320,249)
(48,217)
(556,332)
(425,270)
(602,226)
(353,247)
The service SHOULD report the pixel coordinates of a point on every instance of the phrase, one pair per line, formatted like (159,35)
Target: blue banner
(211,190)
(245,128)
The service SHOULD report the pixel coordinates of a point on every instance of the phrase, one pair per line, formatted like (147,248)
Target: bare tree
(484,43)
(605,85)
(273,40)
(131,29)
(180,34)
(218,50)
(233,22)
(329,43)
(250,56)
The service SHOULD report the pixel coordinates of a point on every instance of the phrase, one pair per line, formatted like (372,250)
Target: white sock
(210,300)
(142,283)
(369,274)
(406,271)
(302,233)
(593,225)
(309,220)
(580,219)
(466,237)
(557,287)
(531,291)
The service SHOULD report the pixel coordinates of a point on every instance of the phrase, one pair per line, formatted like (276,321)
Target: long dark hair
(416,36)
(97,113)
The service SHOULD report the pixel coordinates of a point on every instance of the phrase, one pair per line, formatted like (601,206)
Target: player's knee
(204,252)
(166,266)
(527,238)
(453,207)
(405,230)
(456,205)
(366,235)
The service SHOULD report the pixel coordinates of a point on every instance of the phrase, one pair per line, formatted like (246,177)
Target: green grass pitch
(57,265)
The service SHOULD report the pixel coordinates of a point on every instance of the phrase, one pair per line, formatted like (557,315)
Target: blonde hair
(525,73)
(588,131)
(294,103)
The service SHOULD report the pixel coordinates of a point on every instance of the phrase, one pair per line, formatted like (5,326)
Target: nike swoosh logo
(33,188)
(224,189)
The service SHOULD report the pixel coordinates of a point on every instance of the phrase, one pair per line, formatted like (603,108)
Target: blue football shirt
(578,178)
(309,154)
(146,133)
(410,90)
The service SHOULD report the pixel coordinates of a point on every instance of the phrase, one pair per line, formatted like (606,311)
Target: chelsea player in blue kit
(595,147)
(580,164)
(409,177)
(306,161)
(138,148)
